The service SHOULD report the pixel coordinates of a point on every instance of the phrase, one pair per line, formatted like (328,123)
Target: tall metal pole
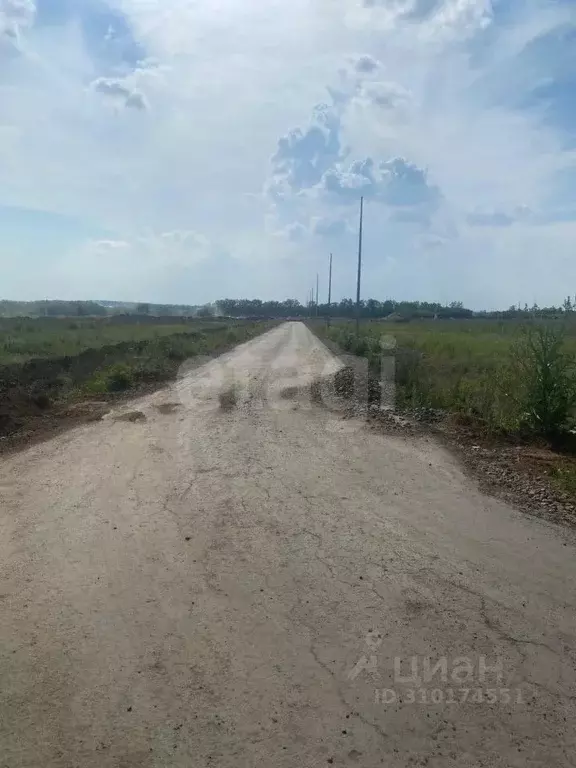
(329,291)
(359,268)
(317,290)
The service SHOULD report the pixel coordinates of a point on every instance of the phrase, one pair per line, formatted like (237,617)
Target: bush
(97,385)
(546,379)
(42,401)
(152,368)
(119,378)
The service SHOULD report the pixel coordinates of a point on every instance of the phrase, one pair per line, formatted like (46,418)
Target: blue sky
(184,150)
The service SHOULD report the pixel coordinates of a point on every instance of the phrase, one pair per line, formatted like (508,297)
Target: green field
(24,339)
(485,371)
(48,363)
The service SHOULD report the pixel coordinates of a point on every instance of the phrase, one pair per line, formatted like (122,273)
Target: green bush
(97,385)
(119,378)
(501,377)
(546,379)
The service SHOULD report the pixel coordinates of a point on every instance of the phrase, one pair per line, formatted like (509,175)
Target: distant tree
(143,309)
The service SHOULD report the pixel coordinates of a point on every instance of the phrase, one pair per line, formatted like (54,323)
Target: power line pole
(317,290)
(359,268)
(329,291)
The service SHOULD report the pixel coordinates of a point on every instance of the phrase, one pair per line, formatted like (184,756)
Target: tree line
(56,308)
(369,308)
(373,309)
(257,308)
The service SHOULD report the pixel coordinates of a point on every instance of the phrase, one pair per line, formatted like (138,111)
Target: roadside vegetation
(49,364)
(27,338)
(506,377)
(503,391)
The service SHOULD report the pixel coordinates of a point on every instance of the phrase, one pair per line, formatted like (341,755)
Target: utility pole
(359,268)
(329,291)
(317,289)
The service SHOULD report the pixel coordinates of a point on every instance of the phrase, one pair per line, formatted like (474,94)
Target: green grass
(23,339)
(467,367)
(160,358)
(563,478)
(59,362)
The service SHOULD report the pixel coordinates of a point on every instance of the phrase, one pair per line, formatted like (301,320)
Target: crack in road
(251,554)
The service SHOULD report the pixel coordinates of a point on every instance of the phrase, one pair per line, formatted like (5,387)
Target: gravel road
(254,581)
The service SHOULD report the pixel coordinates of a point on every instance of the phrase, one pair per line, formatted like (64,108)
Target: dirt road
(259,583)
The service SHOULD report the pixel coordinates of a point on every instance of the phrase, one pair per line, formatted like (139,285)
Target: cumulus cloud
(121,91)
(417,10)
(303,156)
(366,63)
(16,15)
(440,20)
(330,227)
(395,182)
(296,232)
(479,96)
(387,95)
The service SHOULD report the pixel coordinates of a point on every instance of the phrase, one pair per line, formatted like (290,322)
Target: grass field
(24,339)
(47,363)
(478,369)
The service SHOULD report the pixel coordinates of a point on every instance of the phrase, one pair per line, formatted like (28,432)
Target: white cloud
(296,232)
(144,266)
(118,89)
(366,63)
(424,106)
(15,15)
(330,227)
(153,251)
(395,182)
(387,95)
(303,156)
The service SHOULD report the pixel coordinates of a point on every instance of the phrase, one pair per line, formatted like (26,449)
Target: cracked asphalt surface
(257,580)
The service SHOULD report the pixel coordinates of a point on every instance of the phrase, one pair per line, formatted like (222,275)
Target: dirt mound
(131,416)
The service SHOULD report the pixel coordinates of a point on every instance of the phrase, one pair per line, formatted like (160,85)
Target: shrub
(180,349)
(97,385)
(42,401)
(546,380)
(119,378)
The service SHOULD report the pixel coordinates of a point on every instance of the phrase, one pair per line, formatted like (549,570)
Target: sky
(181,151)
